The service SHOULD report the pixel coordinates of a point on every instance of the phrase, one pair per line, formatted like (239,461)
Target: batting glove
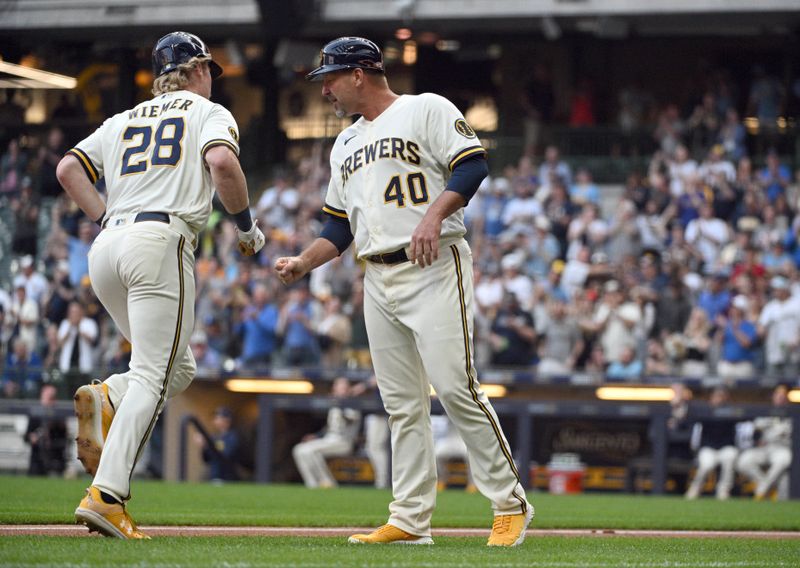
(252,241)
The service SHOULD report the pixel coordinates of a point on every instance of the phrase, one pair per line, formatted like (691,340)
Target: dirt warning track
(173,531)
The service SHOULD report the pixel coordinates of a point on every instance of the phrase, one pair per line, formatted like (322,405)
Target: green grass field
(52,501)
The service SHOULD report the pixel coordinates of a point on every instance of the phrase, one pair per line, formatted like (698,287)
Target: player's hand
(252,241)
(290,269)
(424,247)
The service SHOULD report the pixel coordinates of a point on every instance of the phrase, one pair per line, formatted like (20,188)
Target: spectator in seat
(334,333)
(79,250)
(614,322)
(657,362)
(715,297)
(553,165)
(26,214)
(258,327)
(513,335)
(35,283)
(207,358)
(297,323)
(584,190)
(779,325)
(771,451)
(673,309)
(562,342)
(737,336)
(714,440)
(22,320)
(708,234)
(627,367)
(62,292)
(13,165)
(494,206)
(22,374)
(542,248)
(77,335)
(775,177)
(691,348)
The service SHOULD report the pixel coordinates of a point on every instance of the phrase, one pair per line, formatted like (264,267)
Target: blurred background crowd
(689,269)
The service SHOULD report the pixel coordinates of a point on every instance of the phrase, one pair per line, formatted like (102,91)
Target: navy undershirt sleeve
(337,231)
(467,176)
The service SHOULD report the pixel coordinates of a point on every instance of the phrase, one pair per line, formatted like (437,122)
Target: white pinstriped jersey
(385,173)
(152,155)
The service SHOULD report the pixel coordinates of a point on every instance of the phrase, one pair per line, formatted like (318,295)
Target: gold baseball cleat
(509,530)
(389,534)
(108,519)
(95,413)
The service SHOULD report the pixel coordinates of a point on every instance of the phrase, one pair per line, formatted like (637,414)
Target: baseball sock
(108,499)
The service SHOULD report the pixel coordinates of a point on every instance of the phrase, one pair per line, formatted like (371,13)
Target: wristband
(243,220)
(99,220)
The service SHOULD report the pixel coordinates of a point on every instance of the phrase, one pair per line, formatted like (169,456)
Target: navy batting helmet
(348,53)
(179,47)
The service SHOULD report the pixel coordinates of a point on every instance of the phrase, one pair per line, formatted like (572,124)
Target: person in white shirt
(779,325)
(708,234)
(715,165)
(523,208)
(681,168)
(615,322)
(36,285)
(23,316)
(77,335)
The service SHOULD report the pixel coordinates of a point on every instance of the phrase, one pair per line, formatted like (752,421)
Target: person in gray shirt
(562,341)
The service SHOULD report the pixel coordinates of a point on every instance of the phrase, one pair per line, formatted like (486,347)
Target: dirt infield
(172,531)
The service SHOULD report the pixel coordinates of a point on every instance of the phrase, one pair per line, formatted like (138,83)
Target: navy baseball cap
(348,53)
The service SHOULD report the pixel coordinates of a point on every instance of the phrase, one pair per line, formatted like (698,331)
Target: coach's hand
(252,241)
(290,269)
(424,248)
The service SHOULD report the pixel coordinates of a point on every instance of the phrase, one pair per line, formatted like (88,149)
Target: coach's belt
(395,257)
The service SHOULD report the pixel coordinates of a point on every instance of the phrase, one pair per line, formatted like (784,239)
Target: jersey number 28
(167,151)
(416,189)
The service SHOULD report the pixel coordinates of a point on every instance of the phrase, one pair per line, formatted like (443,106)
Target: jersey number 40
(416,189)
(167,151)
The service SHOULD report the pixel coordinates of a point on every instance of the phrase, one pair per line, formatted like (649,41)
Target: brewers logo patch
(464,129)
(235,135)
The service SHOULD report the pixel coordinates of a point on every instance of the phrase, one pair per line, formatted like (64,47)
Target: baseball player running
(162,160)
(401,175)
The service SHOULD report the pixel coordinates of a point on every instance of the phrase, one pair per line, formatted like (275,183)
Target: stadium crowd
(690,270)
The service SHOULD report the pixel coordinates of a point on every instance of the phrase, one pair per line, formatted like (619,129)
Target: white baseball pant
(419,322)
(707,460)
(376,444)
(752,461)
(310,459)
(143,273)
